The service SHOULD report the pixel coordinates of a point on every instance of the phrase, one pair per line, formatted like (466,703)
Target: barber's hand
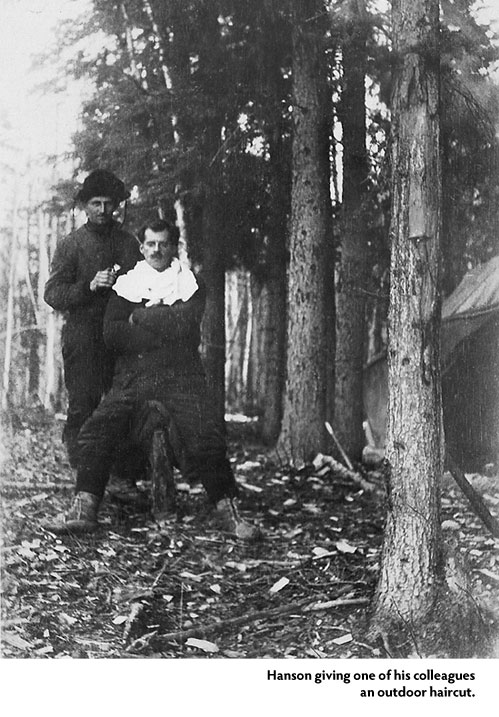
(103,279)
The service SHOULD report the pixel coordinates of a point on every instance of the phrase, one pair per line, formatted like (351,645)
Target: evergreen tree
(412,594)
(352,265)
(302,433)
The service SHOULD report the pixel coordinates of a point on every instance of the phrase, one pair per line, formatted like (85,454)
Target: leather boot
(126,491)
(231,522)
(81,518)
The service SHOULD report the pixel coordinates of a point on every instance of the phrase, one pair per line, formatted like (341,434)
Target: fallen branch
(224,625)
(339,469)
(338,445)
(475,499)
(141,642)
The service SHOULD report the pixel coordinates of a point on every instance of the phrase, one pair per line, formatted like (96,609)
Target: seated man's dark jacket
(150,342)
(157,357)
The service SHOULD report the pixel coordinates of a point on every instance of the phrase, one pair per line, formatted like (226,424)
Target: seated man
(152,323)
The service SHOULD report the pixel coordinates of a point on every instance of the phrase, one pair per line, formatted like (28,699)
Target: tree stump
(153,429)
(163,493)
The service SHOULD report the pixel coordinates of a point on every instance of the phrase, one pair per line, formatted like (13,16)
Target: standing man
(84,268)
(152,323)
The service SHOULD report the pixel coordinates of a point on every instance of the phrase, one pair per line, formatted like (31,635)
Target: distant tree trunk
(303,434)
(408,586)
(267,364)
(350,294)
(33,364)
(245,326)
(49,393)
(47,245)
(238,324)
(232,358)
(257,374)
(9,329)
(377,318)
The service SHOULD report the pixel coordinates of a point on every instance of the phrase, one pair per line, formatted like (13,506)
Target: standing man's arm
(65,289)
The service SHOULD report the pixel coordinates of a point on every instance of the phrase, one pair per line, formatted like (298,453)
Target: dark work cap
(102,183)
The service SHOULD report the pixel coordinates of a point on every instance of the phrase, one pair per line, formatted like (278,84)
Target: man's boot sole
(76,527)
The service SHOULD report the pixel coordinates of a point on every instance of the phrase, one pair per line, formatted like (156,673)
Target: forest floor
(180,589)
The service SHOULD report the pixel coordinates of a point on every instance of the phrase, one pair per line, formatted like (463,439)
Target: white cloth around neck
(176,283)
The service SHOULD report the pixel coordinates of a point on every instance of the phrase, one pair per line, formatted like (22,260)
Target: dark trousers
(185,398)
(88,373)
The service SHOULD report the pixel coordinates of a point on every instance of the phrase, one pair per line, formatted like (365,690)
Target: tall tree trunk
(154,10)
(270,294)
(350,294)
(408,584)
(214,209)
(213,327)
(272,297)
(303,434)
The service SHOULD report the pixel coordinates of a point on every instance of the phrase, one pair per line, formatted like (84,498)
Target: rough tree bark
(213,325)
(350,292)
(412,594)
(303,433)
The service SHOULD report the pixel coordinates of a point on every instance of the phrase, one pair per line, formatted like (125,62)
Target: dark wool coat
(77,259)
(88,365)
(156,358)
(148,342)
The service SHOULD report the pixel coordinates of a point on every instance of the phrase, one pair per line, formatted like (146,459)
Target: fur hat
(102,183)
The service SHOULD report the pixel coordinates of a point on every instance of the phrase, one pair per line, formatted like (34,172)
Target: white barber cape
(177,283)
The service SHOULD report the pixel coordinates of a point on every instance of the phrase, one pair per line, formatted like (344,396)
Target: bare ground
(180,589)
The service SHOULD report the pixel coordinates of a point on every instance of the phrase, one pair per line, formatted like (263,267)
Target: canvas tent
(470,369)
